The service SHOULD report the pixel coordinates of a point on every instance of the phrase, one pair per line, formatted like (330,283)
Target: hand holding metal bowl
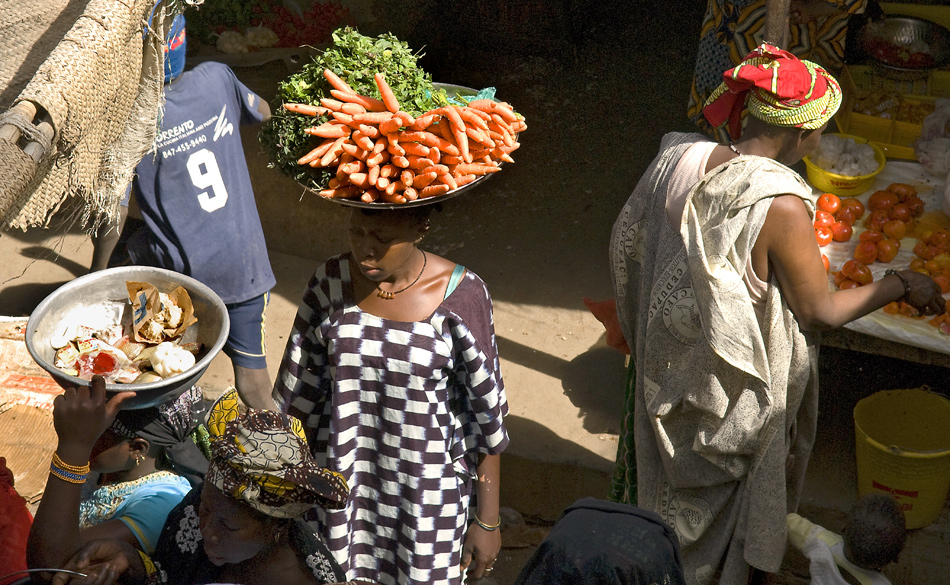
(88,294)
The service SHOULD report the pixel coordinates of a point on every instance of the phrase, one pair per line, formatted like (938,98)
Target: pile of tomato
(893,214)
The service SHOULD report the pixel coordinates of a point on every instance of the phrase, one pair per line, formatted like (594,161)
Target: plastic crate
(895,137)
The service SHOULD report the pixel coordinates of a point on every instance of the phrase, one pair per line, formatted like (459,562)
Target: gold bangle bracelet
(78,469)
(488,527)
(65,475)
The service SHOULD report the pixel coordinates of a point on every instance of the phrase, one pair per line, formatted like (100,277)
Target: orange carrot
(411,194)
(355,166)
(429,139)
(382,141)
(392,197)
(424,121)
(334,105)
(369,130)
(378,158)
(373,174)
(433,190)
(519,126)
(391,190)
(479,137)
(329,130)
(391,125)
(395,149)
(452,113)
(449,180)
(505,112)
(317,152)
(389,171)
(464,179)
(382,183)
(423,179)
(386,92)
(439,169)
(406,117)
(343,118)
(475,169)
(435,155)
(369,196)
(361,180)
(373,117)
(461,138)
(370,103)
(418,162)
(415,148)
(469,115)
(400,161)
(305,109)
(363,141)
(336,82)
(353,149)
(340,192)
(449,159)
(334,151)
(407,177)
(352,109)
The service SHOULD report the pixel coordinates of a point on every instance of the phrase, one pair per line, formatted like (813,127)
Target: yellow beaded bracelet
(81,469)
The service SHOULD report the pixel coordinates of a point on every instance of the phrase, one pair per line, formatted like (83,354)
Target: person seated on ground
(243,525)
(146,461)
(873,537)
(598,542)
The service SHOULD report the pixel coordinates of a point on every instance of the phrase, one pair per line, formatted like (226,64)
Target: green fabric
(623,486)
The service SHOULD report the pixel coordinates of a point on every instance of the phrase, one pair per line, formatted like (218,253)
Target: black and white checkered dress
(402,410)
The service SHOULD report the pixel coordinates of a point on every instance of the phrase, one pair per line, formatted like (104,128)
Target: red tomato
(846,215)
(824,219)
(840,277)
(871,236)
(887,250)
(876,220)
(901,212)
(826,262)
(892,308)
(940,239)
(895,229)
(943,281)
(829,202)
(856,271)
(902,190)
(848,284)
(917,265)
(841,231)
(880,200)
(855,204)
(824,235)
(866,252)
(925,250)
(915,204)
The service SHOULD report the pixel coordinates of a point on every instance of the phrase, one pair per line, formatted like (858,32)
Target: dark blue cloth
(598,542)
(195,191)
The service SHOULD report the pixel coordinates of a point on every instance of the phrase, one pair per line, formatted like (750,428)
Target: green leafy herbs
(355,58)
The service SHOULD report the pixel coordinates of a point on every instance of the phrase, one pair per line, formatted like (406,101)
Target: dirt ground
(599,83)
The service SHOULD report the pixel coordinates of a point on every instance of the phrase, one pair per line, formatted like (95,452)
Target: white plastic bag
(933,146)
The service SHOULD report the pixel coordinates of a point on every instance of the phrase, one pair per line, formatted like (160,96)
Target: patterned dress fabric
(180,558)
(142,505)
(733,29)
(262,459)
(401,410)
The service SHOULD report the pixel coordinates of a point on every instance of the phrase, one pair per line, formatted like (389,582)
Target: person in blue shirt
(199,216)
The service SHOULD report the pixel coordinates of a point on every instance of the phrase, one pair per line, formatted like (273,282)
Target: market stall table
(881,333)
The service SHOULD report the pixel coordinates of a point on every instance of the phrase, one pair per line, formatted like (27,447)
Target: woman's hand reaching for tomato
(924,293)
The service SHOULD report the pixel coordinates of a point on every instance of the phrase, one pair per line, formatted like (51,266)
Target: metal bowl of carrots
(412,184)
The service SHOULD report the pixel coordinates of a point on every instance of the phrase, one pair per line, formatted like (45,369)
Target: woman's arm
(80,415)
(483,543)
(788,236)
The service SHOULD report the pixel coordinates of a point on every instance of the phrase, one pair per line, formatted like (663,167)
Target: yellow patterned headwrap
(261,457)
(782,90)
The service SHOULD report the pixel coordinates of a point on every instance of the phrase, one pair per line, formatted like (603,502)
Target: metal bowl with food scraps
(905,48)
(103,296)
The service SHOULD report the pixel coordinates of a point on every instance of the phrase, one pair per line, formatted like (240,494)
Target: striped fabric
(401,410)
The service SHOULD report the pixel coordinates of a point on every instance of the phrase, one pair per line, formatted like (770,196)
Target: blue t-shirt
(195,191)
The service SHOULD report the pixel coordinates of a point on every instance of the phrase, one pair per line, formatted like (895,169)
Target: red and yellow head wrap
(782,90)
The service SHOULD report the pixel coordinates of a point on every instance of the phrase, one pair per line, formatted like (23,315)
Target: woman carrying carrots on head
(393,367)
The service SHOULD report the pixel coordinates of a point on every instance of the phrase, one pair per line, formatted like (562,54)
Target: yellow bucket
(902,440)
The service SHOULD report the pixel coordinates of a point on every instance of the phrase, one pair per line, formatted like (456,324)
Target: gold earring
(138,459)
